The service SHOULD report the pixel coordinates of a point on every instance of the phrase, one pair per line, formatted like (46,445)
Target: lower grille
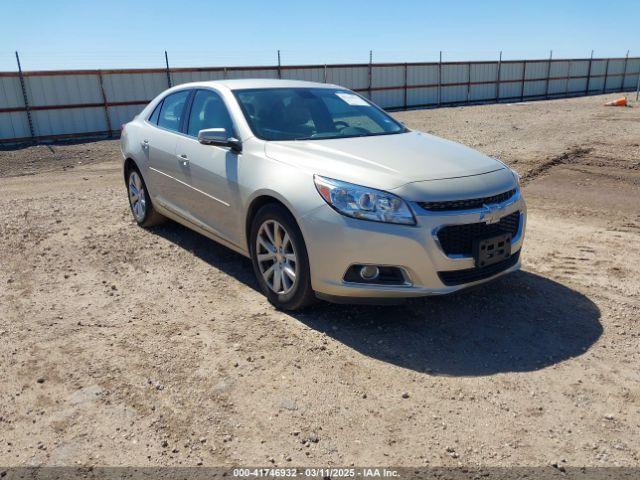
(460,277)
(458,239)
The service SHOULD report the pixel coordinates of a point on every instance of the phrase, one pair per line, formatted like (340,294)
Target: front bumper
(335,242)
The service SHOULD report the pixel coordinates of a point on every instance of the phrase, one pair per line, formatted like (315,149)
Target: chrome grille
(468,204)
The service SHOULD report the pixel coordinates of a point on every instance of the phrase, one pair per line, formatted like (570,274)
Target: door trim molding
(191,187)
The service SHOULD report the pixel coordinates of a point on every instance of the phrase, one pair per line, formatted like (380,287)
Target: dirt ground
(121,346)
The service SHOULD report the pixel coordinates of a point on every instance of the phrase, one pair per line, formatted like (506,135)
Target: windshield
(312,113)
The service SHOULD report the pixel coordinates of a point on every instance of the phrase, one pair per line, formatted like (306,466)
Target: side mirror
(220,138)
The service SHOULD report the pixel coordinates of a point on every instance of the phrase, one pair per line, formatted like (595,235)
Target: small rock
(203,440)
(313,438)
(164,444)
(40,380)
(405,395)
(609,417)
(199,462)
(288,404)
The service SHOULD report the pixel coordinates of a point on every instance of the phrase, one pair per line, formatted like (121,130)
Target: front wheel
(280,259)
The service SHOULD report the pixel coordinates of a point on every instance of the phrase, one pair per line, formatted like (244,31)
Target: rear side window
(156,114)
(172,109)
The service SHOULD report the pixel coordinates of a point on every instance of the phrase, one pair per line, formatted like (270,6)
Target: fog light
(369,272)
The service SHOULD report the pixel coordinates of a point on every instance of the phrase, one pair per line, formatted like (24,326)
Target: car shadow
(518,323)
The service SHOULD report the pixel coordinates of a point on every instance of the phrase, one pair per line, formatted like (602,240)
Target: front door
(210,172)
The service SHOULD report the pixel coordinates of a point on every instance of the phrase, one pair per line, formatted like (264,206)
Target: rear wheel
(280,259)
(142,208)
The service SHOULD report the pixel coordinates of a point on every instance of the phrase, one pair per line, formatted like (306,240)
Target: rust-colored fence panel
(92,103)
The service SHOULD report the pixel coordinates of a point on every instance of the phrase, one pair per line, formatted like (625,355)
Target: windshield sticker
(352,99)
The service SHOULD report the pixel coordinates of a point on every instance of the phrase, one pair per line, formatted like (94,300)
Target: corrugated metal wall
(89,103)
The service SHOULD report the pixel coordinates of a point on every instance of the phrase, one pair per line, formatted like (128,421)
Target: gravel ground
(122,346)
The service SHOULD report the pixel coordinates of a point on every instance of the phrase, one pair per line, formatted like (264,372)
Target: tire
(140,203)
(275,252)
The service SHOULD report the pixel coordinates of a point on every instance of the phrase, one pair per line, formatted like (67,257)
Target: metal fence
(38,106)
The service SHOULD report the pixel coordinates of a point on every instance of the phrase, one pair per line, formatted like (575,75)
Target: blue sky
(99,34)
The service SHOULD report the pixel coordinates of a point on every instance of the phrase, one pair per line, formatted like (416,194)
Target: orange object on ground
(620,102)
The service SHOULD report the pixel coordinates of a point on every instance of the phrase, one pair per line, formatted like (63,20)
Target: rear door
(161,140)
(211,172)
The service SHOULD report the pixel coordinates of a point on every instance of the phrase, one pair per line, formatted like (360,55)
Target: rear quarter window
(156,114)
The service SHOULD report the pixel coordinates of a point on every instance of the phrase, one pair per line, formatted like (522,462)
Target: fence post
(498,78)
(624,73)
(566,84)
(468,81)
(370,72)
(440,79)
(586,92)
(638,87)
(606,76)
(26,100)
(546,88)
(279,66)
(106,104)
(524,75)
(405,85)
(324,73)
(166,62)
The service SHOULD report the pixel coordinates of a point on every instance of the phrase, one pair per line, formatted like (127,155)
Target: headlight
(365,203)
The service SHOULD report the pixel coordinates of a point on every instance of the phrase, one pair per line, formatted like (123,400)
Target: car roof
(244,83)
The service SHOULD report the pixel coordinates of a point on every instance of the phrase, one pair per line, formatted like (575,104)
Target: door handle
(145,143)
(183,160)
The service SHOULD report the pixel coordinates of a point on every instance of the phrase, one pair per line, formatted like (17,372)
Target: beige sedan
(328,195)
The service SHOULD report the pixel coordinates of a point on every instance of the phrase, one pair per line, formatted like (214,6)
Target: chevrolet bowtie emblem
(490,213)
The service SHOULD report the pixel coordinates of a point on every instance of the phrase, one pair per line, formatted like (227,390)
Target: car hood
(385,161)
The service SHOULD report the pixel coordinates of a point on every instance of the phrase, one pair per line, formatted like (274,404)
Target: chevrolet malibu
(329,196)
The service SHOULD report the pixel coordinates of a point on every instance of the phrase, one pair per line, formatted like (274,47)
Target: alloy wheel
(137,196)
(276,257)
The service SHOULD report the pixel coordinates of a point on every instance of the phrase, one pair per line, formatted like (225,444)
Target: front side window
(171,110)
(208,111)
(312,114)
